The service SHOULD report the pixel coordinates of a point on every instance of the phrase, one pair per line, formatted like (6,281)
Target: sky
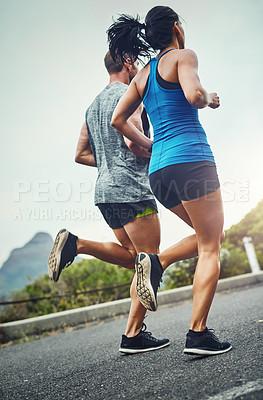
(51,69)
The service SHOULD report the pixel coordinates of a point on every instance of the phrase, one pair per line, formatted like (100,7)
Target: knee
(209,249)
(211,244)
(130,264)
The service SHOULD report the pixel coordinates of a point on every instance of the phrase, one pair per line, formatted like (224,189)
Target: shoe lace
(147,333)
(213,334)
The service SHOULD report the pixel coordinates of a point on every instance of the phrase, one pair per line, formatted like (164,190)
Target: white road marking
(237,391)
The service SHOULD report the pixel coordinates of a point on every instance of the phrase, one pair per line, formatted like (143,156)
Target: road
(86,364)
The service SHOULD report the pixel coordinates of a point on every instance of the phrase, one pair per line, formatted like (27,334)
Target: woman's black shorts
(185,181)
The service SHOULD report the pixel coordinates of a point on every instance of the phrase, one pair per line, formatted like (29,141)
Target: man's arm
(84,153)
(136,120)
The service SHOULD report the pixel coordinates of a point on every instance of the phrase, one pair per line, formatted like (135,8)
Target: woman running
(182,170)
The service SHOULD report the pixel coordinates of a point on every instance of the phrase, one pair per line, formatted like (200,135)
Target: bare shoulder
(142,75)
(141,78)
(188,55)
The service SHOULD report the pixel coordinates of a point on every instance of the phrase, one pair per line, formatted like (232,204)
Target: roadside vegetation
(86,275)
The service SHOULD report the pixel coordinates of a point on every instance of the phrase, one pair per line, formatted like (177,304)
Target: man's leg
(137,311)
(144,234)
(124,255)
(121,254)
(140,234)
(66,246)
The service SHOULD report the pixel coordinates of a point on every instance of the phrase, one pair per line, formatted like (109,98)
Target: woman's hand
(214,102)
(123,121)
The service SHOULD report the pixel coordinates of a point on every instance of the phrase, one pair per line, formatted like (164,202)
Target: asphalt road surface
(86,363)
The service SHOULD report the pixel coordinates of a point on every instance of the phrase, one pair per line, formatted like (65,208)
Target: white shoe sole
(205,352)
(144,288)
(134,351)
(55,254)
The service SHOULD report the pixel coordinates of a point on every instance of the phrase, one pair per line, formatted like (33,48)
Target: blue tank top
(178,135)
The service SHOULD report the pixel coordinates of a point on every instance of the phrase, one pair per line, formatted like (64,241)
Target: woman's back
(178,134)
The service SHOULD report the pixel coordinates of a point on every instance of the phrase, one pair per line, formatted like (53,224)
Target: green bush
(179,274)
(79,277)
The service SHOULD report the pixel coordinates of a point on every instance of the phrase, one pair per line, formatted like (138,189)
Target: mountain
(25,263)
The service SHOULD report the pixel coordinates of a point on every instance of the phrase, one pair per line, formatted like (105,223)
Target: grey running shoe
(206,344)
(149,273)
(62,254)
(142,342)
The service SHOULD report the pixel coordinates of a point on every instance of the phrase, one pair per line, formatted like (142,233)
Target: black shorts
(118,214)
(184,181)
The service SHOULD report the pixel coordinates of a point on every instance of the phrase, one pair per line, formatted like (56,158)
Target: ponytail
(128,38)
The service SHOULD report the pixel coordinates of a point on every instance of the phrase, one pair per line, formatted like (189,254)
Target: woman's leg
(207,217)
(206,208)
(187,247)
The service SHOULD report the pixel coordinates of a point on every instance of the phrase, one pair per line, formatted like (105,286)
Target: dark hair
(110,65)
(128,38)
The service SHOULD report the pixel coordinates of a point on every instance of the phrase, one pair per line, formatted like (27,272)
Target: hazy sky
(51,68)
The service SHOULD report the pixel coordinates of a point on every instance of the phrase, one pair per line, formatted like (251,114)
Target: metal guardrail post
(251,254)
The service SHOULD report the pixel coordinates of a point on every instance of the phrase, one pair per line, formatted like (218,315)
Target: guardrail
(35,299)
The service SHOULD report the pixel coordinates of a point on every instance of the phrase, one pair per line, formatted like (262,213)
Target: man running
(123,195)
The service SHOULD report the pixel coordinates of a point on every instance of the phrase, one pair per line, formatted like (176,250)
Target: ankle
(198,327)
(197,333)
(132,332)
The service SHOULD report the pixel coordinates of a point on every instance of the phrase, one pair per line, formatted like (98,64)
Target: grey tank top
(122,176)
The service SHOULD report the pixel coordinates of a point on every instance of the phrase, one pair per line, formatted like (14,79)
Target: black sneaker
(149,274)
(142,342)
(62,254)
(205,343)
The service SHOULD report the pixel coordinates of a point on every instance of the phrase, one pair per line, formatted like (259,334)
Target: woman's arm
(121,121)
(136,120)
(84,153)
(190,82)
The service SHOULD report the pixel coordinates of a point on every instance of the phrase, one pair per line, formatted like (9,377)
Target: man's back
(122,176)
